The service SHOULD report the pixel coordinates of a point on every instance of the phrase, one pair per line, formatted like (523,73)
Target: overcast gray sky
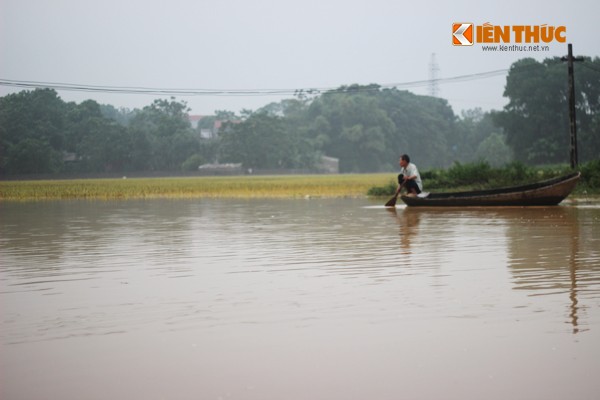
(270,44)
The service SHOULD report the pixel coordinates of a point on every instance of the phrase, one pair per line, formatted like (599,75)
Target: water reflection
(408,221)
(207,290)
(47,245)
(544,249)
(547,256)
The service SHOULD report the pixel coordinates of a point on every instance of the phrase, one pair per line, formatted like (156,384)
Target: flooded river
(297,299)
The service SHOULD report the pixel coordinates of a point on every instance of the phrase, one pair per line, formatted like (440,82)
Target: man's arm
(411,172)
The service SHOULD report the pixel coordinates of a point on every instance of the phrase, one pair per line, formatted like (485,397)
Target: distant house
(221,169)
(206,133)
(329,165)
(70,157)
(194,120)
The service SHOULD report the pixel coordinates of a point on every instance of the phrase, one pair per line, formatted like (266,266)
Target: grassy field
(288,186)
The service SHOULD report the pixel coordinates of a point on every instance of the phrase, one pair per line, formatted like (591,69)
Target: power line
(590,67)
(234,92)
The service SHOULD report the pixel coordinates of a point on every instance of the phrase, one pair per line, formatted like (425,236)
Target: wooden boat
(545,193)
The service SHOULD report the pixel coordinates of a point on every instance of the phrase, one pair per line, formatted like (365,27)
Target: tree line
(365,127)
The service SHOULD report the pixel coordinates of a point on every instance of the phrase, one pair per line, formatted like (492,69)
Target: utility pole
(573,122)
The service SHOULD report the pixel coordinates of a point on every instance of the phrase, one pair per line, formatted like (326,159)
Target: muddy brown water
(297,299)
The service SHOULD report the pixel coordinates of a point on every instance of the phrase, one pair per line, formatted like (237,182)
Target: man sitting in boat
(409,177)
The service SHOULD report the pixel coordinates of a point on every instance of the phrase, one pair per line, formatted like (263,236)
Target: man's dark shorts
(411,184)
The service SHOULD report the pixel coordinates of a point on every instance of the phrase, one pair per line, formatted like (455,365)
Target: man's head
(404,160)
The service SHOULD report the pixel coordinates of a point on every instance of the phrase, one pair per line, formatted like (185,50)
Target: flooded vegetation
(297,299)
(469,176)
(288,186)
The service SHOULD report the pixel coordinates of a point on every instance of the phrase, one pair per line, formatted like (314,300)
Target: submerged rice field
(280,186)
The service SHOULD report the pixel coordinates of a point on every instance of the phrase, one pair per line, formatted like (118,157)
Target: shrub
(471,173)
(516,171)
(386,190)
(192,163)
(590,174)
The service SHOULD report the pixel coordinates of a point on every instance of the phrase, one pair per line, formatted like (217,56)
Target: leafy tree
(161,136)
(304,151)
(477,137)
(494,150)
(165,118)
(32,156)
(467,136)
(587,85)
(36,118)
(141,142)
(260,141)
(369,128)
(170,152)
(536,119)
(589,140)
(121,115)
(224,115)
(424,127)
(100,143)
(349,124)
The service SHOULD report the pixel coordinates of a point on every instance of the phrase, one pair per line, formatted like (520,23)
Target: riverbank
(263,186)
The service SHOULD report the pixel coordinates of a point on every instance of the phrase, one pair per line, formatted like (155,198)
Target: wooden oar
(392,202)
